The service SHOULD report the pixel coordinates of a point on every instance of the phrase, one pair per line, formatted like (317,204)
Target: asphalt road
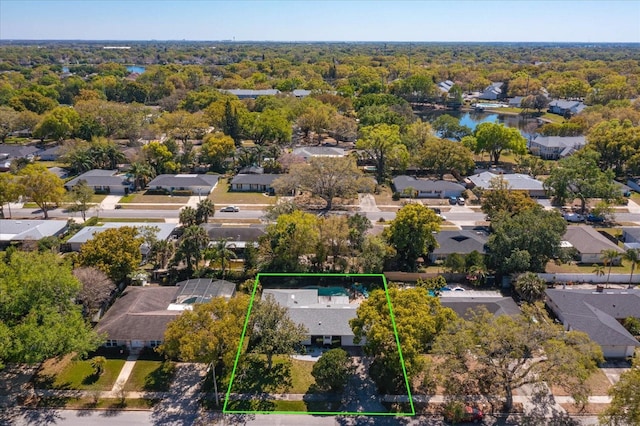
(150,418)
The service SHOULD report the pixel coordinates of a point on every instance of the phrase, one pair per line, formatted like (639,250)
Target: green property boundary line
(326,413)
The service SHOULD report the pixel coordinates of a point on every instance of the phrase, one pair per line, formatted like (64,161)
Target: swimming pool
(329,291)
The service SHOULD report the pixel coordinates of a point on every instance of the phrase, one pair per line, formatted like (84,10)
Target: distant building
(555,147)
(589,244)
(309,152)
(565,107)
(18,231)
(493,92)
(253,182)
(250,93)
(198,184)
(88,232)
(445,86)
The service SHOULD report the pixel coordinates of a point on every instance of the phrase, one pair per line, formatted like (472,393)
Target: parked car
(460,201)
(595,218)
(470,414)
(453,200)
(573,217)
(230,209)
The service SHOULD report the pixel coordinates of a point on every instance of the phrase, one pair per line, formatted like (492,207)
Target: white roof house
(87,233)
(22,230)
(516,181)
(555,147)
(308,152)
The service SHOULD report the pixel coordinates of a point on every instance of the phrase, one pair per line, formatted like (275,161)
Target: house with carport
(599,314)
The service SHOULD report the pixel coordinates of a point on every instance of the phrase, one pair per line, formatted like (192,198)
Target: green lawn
(150,376)
(153,199)
(221,196)
(88,403)
(124,219)
(301,378)
(69,374)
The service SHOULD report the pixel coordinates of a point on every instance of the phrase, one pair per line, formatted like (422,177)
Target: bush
(332,370)
(92,221)
(182,193)
(395,196)
(157,191)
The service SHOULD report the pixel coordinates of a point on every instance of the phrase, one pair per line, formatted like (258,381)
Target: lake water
(136,68)
(471,119)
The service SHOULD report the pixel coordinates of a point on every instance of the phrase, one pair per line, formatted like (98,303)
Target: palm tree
(220,252)
(609,256)
(142,173)
(633,256)
(598,270)
(191,247)
(204,209)
(530,287)
(163,251)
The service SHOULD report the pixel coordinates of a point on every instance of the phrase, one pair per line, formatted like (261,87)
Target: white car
(230,209)
(573,217)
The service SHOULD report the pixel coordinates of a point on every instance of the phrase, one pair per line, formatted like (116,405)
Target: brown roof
(140,313)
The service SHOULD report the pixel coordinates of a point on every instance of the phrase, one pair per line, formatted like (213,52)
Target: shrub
(182,193)
(395,196)
(157,191)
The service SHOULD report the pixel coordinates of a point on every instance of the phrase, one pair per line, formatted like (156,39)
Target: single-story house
(30,230)
(85,234)
(309,152)
(516,182)
(493,91)
(253,182)
(555,147)
(598,314)
(251,94)
(425,188)
(325,317)
(201,184)
(494,302)
(139,317)
(445,86)
(238,237)
(202,290)
(516,101)
(463,241)
(564,107)
(10,153)
(301,93)
(589,244)
(631,237)
(634,183)
(107,181)
(50,154)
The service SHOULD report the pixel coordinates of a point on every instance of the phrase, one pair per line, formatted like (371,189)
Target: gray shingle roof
(98,177)
(253,179)
(516,181)
(184,180)
(318,151)
(140,313)
(460,241)
(403,182)
(585,239)
(575,142)
(596,313)
(216,231)
(86,233)
(322,319)
(18,151)
(495,305)
(20,230)
(249,93)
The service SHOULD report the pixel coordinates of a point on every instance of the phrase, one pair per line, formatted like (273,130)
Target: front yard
(67,373)
(221,196)
(151,376)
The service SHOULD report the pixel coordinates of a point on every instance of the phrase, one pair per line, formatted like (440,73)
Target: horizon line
(6,40)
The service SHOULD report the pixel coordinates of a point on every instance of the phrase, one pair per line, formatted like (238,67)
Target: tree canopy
(114,251)
(411,233)
(39,318)
(499,354)
(495,138)
(415,332)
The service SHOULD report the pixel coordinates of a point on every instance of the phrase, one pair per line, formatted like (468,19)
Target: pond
(135,68)
(471,119)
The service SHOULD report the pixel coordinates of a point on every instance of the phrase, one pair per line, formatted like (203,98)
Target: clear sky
(328,20)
